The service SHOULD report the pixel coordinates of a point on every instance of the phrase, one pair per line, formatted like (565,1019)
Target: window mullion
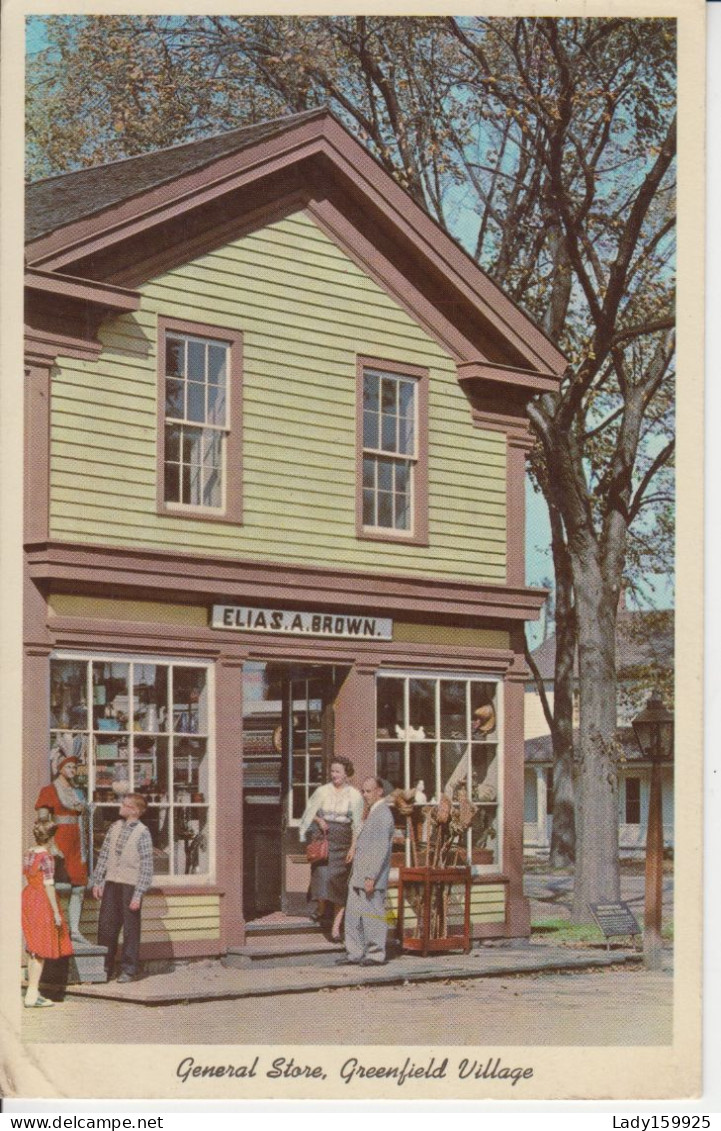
(438,782)
(406,740)
(90,761)
(469,766)
(131,729)
(185,378)
(171,770)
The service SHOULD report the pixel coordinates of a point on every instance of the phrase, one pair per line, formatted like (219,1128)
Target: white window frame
(310,787)
(395,457)
(171,662)
(203,427)
(469,677)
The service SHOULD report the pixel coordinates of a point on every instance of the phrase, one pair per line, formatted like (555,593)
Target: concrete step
(271,951)
(281,928)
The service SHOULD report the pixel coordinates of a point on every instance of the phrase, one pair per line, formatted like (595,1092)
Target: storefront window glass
(140,727)
(441,736)
(307,751)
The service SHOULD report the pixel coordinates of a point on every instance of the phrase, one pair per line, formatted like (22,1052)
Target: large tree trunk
(597,873)
(563,831)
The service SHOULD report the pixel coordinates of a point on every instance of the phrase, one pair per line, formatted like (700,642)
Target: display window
(144,726)
(441,734)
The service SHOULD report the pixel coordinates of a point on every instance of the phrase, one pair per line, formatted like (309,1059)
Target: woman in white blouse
(337,809)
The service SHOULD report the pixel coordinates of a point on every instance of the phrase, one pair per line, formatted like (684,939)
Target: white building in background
(644,650)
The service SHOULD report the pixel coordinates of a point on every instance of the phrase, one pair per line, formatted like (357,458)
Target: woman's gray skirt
(329,880)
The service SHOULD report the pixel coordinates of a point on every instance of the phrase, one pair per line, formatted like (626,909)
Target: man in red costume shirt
(65,803)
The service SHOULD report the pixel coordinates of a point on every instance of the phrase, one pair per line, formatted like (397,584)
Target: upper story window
(199,433)
(392,442)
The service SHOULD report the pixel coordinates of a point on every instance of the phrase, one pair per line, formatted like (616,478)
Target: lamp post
(654,733)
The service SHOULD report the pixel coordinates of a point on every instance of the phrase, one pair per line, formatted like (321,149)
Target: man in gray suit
(365,913)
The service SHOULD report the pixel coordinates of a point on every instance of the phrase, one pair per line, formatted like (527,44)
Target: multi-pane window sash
(144,725)
(441,735)
(196,420)
(390,450)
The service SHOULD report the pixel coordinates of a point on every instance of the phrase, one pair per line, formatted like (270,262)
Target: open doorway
(288,744)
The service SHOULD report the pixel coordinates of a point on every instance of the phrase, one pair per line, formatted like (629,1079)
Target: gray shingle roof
(56,201)
(540,749)
(640,639)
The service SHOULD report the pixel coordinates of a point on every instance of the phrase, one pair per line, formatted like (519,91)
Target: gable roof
(115,223)
(642,637)
(539,750)
(53,202)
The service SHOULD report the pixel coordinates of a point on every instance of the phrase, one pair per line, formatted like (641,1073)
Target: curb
(300,979)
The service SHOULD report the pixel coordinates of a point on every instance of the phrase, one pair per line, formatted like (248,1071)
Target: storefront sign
(290,622)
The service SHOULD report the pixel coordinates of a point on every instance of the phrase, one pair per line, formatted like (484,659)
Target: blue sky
(538,557)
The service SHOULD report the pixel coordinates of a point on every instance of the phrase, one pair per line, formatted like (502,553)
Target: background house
(645,660)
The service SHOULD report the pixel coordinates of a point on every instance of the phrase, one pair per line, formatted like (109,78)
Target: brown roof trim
(507,374)
(105,295)
(438,245)
(143,210)
(179,574)
(388,275)
(59,200)
(322,136)
(42,347)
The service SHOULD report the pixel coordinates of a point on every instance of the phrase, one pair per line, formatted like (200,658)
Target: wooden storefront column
(518,912)
(229,795)
(37,452)
(36,702)
(355,726)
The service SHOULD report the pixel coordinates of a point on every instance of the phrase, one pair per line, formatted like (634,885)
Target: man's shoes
(370,962)
(125,977)
(348,962)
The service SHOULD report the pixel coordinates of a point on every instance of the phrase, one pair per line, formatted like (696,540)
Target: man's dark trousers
(115,914)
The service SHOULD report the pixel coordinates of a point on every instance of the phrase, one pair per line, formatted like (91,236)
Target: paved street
(551,894)
(604,1007)
(616,1005)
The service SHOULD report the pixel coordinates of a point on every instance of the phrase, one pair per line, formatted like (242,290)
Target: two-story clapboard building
(275,451)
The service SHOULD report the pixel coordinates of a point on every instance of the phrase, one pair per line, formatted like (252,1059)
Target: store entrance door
(288,741)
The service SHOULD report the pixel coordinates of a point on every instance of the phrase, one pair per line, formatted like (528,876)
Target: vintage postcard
(352,685)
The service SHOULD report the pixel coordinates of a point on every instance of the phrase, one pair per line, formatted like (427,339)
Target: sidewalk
(208,980)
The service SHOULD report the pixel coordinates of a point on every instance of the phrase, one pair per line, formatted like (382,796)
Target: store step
(287,949)
(284,927)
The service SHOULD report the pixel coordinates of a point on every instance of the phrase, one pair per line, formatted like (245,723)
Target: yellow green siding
(488,905)
(167,918)
(306,311)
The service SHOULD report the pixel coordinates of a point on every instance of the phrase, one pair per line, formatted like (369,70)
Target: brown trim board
(78,566)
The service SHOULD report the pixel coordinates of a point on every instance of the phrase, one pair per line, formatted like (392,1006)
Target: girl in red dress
(45,929)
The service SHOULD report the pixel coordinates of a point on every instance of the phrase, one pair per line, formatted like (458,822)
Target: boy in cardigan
(123,874)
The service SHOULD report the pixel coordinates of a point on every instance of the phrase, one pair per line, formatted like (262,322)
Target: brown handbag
(316,850)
